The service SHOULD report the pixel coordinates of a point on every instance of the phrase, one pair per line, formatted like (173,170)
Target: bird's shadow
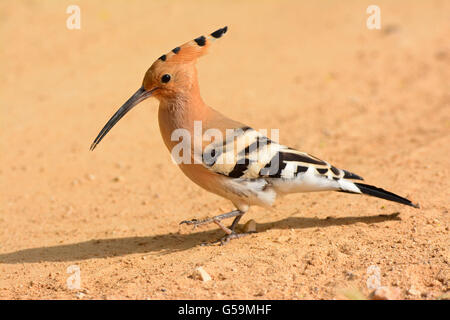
(165,243)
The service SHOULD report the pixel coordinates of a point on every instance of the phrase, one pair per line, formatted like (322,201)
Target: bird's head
(171,75)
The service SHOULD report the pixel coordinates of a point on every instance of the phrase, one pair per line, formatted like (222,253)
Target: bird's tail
(381,193)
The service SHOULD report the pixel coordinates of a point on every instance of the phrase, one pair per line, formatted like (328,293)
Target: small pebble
(260,293)
(80,295)
(202,274)
(413,291)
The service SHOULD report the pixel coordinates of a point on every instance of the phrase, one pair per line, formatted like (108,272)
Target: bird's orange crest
(173,72)
(191,50)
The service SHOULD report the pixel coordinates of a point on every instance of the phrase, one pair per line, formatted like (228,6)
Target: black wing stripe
(239,169)
(300,169)
(350,175)
(246,128)
(290,156)
(335,170)
(274,167)
(255,146)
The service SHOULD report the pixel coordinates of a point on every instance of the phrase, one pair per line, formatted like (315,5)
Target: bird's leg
(231,234)
(235,222)
(230,229)
(216,220)
(223,227)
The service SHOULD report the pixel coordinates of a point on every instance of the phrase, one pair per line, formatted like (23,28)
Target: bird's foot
(233,235)
(230,233)
(216,219)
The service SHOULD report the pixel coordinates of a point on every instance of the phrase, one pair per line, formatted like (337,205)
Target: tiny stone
(80,295)
(413,291)
(260,293)
(202,274)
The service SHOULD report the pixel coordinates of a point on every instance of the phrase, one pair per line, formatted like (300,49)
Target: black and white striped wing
(248,154)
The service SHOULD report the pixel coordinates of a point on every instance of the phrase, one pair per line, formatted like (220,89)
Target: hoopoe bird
(246,167)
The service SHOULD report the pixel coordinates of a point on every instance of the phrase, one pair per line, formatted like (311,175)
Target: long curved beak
(136,98)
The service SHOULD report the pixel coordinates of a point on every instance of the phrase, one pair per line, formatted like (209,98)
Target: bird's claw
(195,222)
(234,235)
(189,222)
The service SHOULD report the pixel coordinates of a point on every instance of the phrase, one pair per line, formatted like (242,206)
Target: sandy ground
(375,102)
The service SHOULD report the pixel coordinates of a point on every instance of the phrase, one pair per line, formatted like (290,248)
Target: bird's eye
(165,78)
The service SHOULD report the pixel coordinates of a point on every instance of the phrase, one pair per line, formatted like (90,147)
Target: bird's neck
(181,111)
